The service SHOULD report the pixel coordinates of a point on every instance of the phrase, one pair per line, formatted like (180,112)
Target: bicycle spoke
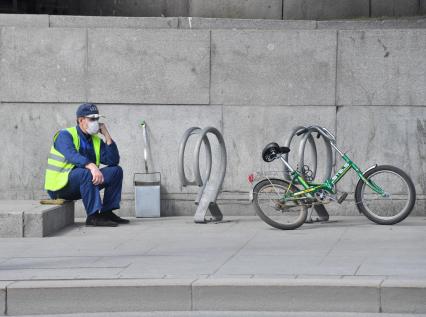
(394,202)
(270,201)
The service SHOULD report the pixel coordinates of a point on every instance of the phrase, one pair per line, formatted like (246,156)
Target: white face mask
(93,127)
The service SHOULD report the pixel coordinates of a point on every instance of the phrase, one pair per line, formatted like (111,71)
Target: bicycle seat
(272,151)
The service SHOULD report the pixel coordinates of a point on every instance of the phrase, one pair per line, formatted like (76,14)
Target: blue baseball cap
(88,110)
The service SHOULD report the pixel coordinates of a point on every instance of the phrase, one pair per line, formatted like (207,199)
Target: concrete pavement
(243,247)
(242,264)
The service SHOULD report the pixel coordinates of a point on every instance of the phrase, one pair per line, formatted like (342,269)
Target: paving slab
(245,246)
(52,273)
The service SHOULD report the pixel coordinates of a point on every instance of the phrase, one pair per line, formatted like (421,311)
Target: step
(229,294)
(28,218)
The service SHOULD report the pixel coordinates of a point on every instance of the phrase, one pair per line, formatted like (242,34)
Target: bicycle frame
(329,184)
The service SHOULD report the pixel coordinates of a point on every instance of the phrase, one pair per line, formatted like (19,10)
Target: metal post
(209,187)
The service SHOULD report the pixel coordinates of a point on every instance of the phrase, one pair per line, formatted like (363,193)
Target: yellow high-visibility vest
(58,168)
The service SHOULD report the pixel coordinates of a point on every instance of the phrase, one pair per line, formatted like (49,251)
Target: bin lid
(147,179)
(141,183)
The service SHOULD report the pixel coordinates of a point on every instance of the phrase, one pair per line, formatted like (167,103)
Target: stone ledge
(257,24)
(70,21)
(113,22)
(3,286)
(287,295)
(403,296)
(223,294)
(50,297)
(24,20)
(414,23)
(27,218)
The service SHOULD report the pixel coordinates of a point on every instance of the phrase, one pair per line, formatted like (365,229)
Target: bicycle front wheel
(396,203)
(272,209)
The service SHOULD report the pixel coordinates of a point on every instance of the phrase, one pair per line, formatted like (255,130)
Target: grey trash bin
(147,194)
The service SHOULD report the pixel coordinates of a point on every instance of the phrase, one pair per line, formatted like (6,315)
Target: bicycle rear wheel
(269,206)
(399,200)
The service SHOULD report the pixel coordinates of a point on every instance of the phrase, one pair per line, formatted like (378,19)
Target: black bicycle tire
(372,216)
(268,220)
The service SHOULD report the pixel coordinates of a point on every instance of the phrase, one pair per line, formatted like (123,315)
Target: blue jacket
(86,154)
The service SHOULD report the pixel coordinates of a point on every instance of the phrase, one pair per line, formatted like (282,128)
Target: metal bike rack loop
(306,137)
(209,187)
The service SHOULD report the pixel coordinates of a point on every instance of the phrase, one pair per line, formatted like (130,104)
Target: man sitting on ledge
(73,168)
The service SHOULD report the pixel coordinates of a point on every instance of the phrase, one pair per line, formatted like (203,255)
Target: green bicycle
(384,194)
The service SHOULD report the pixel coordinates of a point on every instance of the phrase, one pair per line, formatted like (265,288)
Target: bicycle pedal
(342,198)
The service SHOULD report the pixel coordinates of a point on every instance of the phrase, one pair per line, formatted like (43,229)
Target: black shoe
(98,221)
(113,217)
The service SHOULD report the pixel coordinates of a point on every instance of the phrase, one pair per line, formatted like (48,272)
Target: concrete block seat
(29,218)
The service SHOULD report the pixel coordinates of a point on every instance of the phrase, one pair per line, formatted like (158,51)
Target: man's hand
(104,131)
(97,177)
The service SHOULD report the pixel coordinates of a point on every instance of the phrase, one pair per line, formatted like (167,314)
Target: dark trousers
(80,186)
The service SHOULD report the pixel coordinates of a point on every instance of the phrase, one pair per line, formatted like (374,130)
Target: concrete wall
(325,9)
(243,9)
(251,9)
(256,9)
(330,9)
(395,7)
(146,8)
(67,21)
(254,85)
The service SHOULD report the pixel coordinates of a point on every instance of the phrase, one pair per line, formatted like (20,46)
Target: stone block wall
(367,86)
